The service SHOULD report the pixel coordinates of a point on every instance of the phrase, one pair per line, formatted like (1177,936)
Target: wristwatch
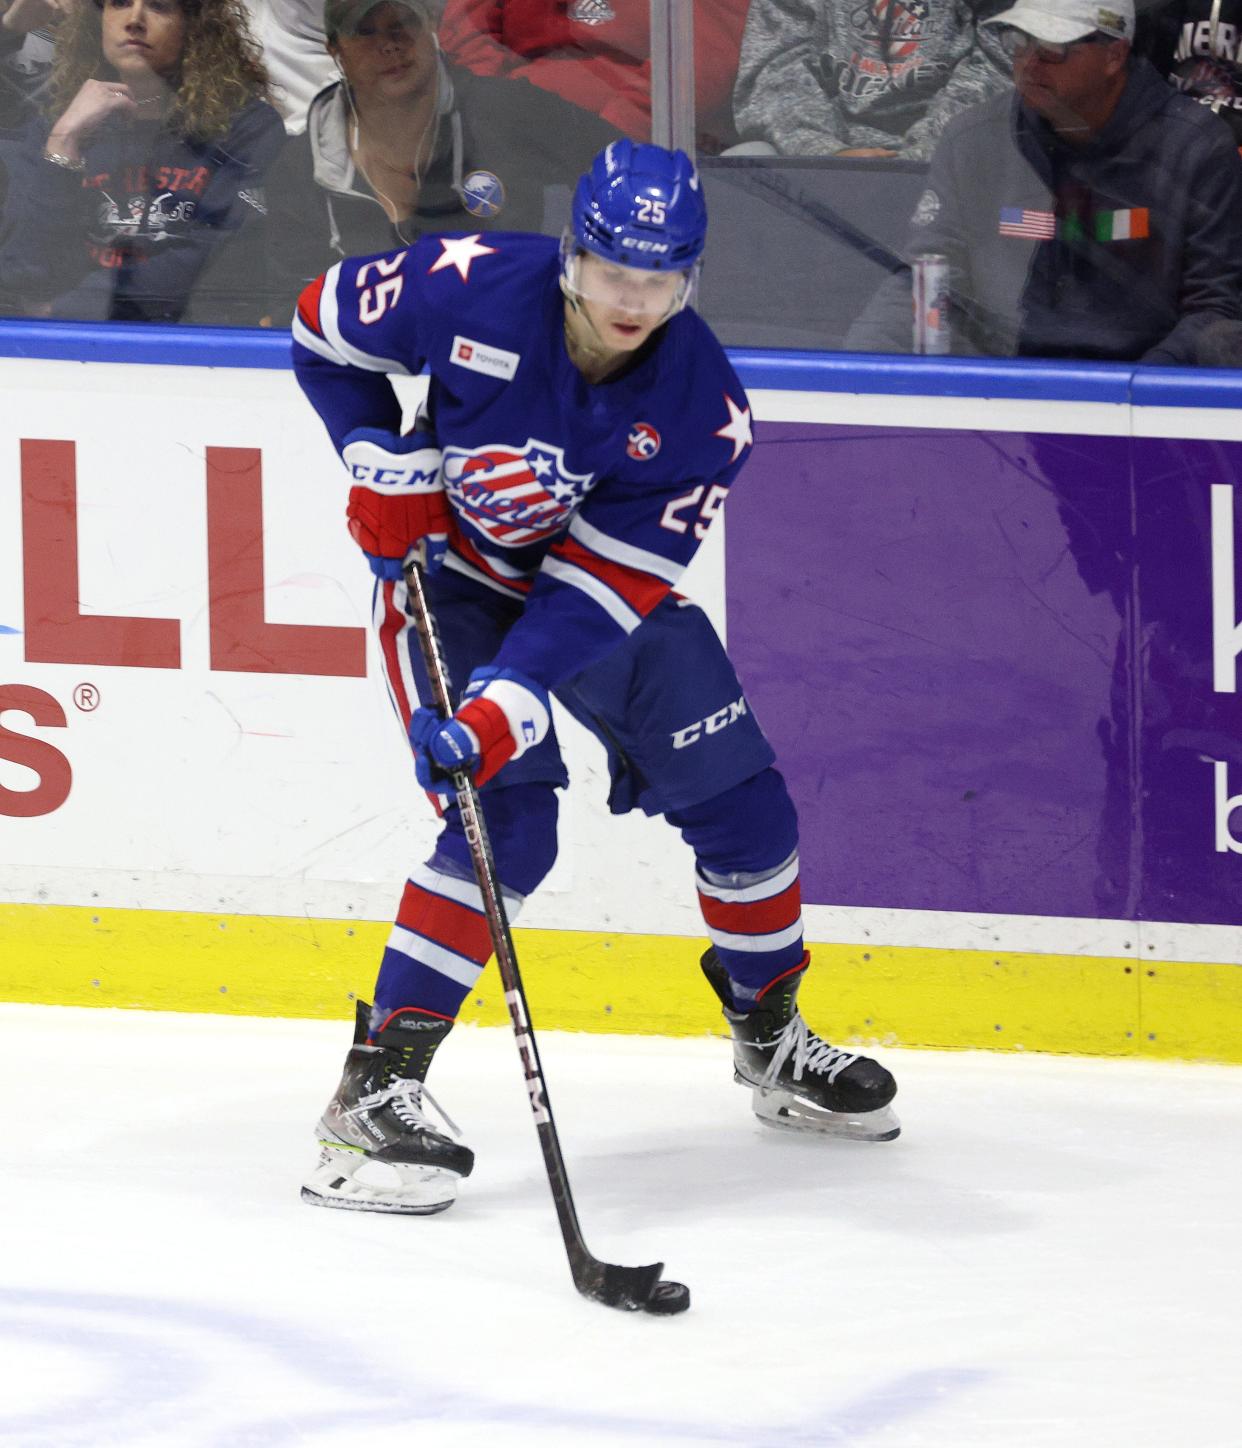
(66,162)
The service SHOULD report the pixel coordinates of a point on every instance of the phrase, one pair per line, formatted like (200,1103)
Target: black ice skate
(377,1150)
(799,1081)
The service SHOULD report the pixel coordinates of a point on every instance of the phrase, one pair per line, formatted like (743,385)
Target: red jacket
(596,53)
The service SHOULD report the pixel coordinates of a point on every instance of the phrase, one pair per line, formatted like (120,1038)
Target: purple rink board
(985,661)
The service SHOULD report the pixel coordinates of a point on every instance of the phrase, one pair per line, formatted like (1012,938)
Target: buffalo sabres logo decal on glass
(514,496)
(483,194)
(644,442)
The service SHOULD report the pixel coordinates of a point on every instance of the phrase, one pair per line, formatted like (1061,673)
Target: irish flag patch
(1120,225)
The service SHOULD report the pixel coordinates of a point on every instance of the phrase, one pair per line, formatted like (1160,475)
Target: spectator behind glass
(26,48)
(876,79)
(1096,214)
(290,35)
(152,162)
(25,64)
(404,144)
(1194,44)
(597,53)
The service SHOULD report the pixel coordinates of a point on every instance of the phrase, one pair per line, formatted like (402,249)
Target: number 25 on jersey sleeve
(675,523)
(378,296)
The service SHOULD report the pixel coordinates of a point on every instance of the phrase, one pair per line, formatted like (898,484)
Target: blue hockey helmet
(641,206)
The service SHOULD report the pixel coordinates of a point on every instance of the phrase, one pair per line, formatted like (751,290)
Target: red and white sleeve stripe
(396,634)
(317,326)
(307,322)
(394,631)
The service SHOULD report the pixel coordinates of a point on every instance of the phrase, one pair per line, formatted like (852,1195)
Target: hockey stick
(629,1288)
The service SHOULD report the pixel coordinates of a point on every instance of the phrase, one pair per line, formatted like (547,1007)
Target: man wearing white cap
(1096,213)
(1070,58)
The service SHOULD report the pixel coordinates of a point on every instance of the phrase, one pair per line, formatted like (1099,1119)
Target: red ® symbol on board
(86,697)
(644,442)
(465,351)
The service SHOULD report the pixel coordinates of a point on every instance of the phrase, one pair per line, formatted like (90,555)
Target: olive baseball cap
(344,16)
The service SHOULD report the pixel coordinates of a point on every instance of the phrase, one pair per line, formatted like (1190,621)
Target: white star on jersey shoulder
(737,429)
(460,251)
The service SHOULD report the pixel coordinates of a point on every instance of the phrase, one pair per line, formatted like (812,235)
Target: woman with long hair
(151,160)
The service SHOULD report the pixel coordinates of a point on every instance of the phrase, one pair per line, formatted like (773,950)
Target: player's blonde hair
(221,68)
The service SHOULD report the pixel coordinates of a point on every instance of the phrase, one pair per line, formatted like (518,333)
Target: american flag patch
(1016,222)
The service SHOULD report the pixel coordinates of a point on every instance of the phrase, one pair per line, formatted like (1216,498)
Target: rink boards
(987,614)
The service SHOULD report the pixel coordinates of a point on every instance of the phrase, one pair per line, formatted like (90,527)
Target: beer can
(930,276)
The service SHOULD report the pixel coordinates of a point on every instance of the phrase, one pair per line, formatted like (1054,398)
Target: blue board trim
(872,373)
(149,343)
(855,372)
(1189,387)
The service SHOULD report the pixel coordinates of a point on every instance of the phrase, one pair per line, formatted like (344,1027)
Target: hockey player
(582,431)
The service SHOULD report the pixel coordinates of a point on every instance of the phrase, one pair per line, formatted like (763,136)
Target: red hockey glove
(397,500)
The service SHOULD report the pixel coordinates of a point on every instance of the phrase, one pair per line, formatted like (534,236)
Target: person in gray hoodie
(1095,214)
(403,144)
(868,78)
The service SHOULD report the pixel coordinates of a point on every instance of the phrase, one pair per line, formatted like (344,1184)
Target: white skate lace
(406,1096)
(809,1053)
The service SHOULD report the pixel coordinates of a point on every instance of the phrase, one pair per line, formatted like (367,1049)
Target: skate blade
(359,1203)
(787,1112)
(357,1183)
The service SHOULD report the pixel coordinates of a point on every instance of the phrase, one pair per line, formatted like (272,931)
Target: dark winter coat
(1163,168)
(25,65)
(1196,44)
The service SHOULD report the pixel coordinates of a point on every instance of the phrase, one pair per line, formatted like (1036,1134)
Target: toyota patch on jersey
(480,357)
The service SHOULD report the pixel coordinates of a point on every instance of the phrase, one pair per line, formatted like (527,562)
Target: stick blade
(627,1288)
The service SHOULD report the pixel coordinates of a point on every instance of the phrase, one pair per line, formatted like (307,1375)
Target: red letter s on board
(55,775)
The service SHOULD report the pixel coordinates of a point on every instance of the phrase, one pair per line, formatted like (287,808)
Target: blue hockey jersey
(586,500)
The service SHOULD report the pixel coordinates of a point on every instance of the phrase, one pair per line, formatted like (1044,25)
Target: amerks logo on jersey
(515,496)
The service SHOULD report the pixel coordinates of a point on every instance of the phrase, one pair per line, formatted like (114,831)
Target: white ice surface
(1049,1255)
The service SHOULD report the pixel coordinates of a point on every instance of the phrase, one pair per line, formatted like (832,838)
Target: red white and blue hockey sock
(754,919)
(439,943)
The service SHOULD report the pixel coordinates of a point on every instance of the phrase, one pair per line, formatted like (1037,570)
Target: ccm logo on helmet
(713,724)
(641,244)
